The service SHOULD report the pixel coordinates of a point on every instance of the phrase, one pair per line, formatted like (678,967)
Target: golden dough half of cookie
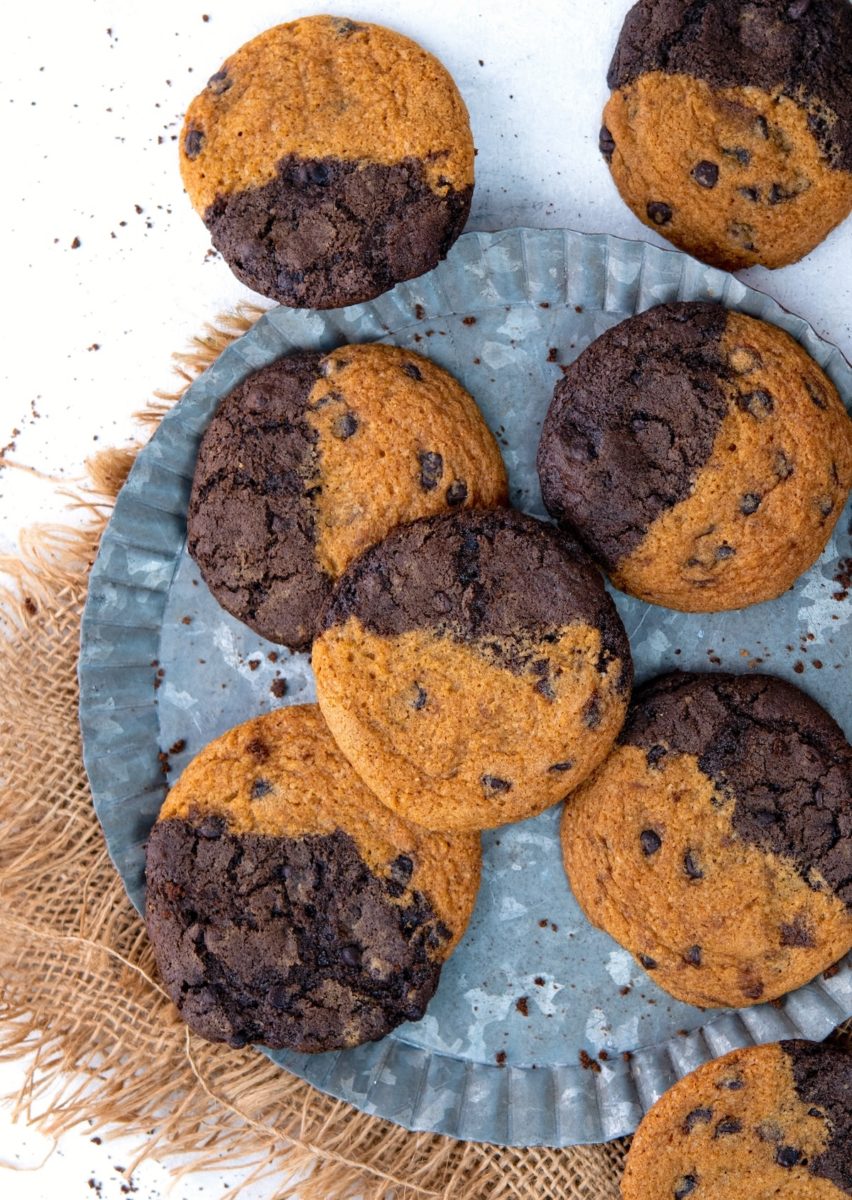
(286,905)
(770,1122)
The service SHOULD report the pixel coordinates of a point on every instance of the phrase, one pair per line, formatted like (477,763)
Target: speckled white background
(91,93)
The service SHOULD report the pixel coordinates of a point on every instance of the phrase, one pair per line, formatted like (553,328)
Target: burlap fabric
(79,995)
(78,988)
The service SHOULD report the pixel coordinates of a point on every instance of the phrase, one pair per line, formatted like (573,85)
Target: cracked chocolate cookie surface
(715,843)
(472,668)
(286,906)
(701,455)
(316,457)
(729,125)
(330,159)
(770,1122)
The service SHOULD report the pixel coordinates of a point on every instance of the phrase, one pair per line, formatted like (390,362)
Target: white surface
(92,93)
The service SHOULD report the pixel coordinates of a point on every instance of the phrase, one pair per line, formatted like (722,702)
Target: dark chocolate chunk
(691,867)
(692,956)
(193,143)
(606,143)
(685,1186)
(650,841)
(758,403)
(456,493)
(431,469)
(698,1116)
(659,213)
(706,173)
(345,426)
(727,1126)
(749,504)
(561,766)
(647,962)
(420,697)
(787,1156)
(493,783)
(220,82)
(655,755)
(412,371)
(260,787)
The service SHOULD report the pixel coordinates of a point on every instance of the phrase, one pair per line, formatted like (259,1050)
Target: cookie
(715,843)
(729,125)
(314,458)
(769,1122)
(286,906)
(472,668)
(329,159)
(701,455)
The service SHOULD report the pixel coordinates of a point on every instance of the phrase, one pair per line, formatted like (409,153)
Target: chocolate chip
(402,868)
(725,551)
(692,956)
(279,997)
(350,955)
(762,127)
(647,962)
(659,213)
(797,933)
(758,403)
(749,503)
(317,172)
(219,83)
(706,173)
(733,1083)
(420,697)
(685,1186)
(655,755)
(258,749)
(787,1156)
(798,9)
(493,783)
(237,1040)
(740,153)
(825,505)
(816,394)
(412,371)
(698,1116)
(783,465)
(345,426)
(260,787)
(592,712)
(431,469)
(650,842)
(753,989)
(726,1126)
(562,766)
(778,194)
(545,688)
(742,234)
(690,865)
(193,142)
(750,193)
(816,1112)
(457,492)
(343,27)
(211,828)
(606,143)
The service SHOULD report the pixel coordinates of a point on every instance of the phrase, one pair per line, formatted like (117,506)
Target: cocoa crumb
(539,981)
(278,688)
(186,620)
(254,663)
(500,1057)
(178,746)
(419,312)
(587,1062)
(76,244)
(522,1005)
(468,320)
(553,354)
(272,656)
(798,666)
(624,991)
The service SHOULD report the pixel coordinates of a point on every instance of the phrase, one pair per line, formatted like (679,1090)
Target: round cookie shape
(286,905)
(729,125)
(771,1122)
(715,842)
(701,455)
(316,457)
(472,668)
(329,159)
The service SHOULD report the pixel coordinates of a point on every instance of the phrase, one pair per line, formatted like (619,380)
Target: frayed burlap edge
(79,997)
